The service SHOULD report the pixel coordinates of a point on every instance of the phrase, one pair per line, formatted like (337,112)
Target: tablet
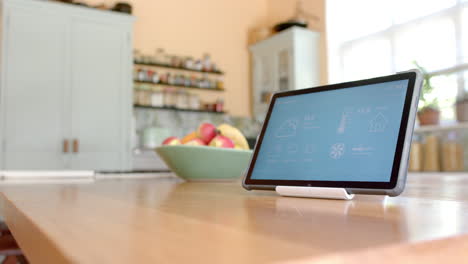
(353,135)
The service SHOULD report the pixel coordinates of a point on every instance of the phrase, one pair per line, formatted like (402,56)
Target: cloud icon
(287,129)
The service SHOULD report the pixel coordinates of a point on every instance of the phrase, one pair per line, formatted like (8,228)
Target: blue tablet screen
(338,135)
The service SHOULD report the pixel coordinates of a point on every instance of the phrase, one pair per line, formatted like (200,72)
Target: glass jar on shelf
(206,62)
(163,78)
(194,102)
(167,59)
(219,105)
(170,79)
(141,75)
(147,97)
(176,61)
(182,100)
(152,59)
(159,56)
(141,97)
(146,59)
(155,77)
(193,81)
(220,83)
(167,97)
(173,96)
(198,65)
(452,152)
(136,96)
(157,98)
(189,63)
(170,97)
(137,56)
(149,75)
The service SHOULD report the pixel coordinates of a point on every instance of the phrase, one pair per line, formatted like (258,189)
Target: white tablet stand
(314,192)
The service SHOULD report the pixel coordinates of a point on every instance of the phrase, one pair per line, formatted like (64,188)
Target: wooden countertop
(168,221)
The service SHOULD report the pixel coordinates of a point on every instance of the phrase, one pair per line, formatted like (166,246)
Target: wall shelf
(176,109)
(180,86)
(176,68)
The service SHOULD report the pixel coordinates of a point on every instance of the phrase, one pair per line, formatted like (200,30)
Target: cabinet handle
(76,145)
(65,146)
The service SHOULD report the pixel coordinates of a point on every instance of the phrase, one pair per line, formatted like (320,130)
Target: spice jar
(416,155)
(159,56)
(155,78)
(189,63)
(182,100)
(220,83)
(137,56)
(219,105)
(157,98)
(431,153)
(167,97)
(140,94)
(141,75)
(452,153)
(194,102)
(136,93)
(206,63)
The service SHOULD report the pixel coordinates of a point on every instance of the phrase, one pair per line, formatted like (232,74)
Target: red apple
(171,141)
(221,142)
(206,132)
(195,142)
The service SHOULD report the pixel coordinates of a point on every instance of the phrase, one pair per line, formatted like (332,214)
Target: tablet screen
(346,134)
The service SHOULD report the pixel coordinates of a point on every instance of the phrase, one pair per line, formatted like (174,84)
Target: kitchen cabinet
(65,88)
(288,60)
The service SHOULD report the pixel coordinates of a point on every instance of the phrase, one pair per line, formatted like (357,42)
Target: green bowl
(194,163)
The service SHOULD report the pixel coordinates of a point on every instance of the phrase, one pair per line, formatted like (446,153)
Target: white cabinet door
(99,100)
(33,92)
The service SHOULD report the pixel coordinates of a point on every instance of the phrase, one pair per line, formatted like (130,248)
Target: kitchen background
(170,65)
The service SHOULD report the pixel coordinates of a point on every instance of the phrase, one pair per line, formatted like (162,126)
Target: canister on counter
(452,153)
(431,153)
(416,154)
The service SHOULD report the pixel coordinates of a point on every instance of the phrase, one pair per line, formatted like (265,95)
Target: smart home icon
(287,129)
(378,123)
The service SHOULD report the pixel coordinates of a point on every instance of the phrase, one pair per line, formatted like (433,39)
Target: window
(368,38)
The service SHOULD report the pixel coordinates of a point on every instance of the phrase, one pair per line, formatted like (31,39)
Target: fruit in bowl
(206,132)
(208,153)
(223,136)
(221,142)
(239,140)
(171,141)
(195,142)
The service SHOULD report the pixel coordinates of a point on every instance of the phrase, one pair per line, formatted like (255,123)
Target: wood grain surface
(169,221)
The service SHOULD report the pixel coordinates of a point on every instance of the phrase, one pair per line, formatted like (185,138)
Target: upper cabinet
(289,60)
(65,87)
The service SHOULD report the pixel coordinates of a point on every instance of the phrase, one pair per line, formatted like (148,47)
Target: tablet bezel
(397,162)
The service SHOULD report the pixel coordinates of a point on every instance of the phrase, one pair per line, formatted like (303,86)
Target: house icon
(378,124)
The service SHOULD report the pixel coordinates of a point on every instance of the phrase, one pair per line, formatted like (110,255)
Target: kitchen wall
(220,27)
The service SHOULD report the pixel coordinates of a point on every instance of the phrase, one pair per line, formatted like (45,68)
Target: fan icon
(337,150)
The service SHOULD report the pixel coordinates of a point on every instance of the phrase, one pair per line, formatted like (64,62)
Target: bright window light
(405,10)
(431,44)
(368,38)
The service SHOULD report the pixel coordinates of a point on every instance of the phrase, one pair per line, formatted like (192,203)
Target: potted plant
(428,108)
